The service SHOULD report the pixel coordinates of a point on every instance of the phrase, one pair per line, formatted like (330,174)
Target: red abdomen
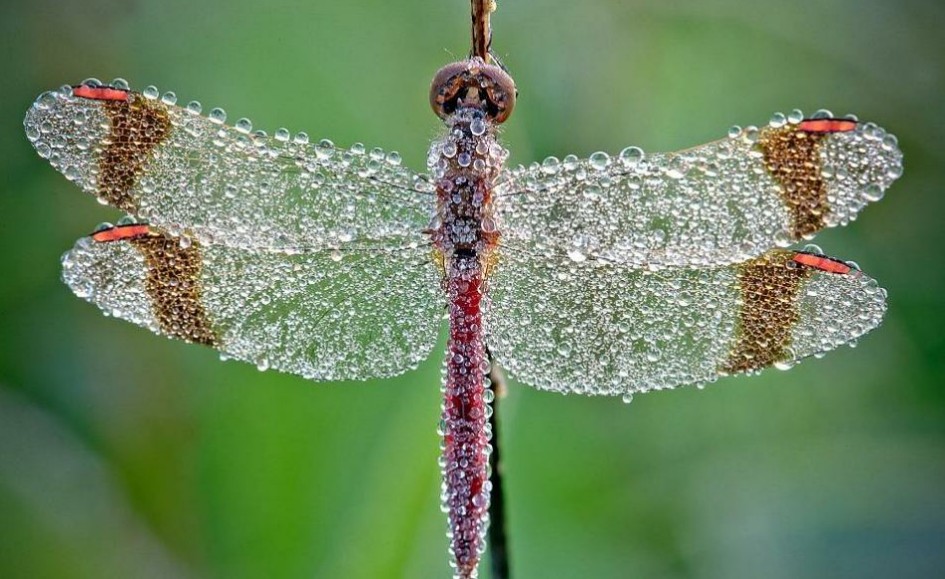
(465,416)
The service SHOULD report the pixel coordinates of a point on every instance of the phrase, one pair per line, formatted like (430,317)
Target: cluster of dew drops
(333,174)
(858,167)
(634,157)
(324,148)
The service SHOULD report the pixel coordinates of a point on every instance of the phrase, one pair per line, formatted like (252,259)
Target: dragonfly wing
(324,315)
(604,328)
(188,173)
(718,203)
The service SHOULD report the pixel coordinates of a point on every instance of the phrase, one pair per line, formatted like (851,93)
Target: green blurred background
(126,455)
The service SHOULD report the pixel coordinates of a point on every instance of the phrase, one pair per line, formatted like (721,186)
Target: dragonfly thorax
(465,164)
(476,84)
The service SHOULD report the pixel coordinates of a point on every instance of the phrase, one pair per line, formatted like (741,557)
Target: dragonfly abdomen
(466,448)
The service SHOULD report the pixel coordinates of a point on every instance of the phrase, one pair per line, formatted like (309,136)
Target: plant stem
(496,538)
(481,29)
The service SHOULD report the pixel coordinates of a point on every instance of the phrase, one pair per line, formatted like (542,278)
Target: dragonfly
(614,274)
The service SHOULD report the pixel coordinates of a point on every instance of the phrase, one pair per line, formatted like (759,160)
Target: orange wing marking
(822,263)
(100,93)
(120,232)
(827,125)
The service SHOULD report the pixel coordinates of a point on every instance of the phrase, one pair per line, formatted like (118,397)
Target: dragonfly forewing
(324,315)
(604,328)
(719,203)
(187,173)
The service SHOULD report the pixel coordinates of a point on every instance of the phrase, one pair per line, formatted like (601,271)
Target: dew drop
(217,115)
(890,142)
(599,160)
(477,127)
(576,256)
(71,172)
(45,101)
(480,500)
(631,156)
(550,165)
(676,168)
(262,363)
(243,125)
(324,149)
(783,238)
(873,192)
(777,121)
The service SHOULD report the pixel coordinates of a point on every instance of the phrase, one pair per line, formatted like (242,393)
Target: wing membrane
(718,203)
(323,315)
(188,173)
(604,328)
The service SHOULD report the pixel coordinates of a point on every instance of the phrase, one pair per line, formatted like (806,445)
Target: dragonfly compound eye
(473,84)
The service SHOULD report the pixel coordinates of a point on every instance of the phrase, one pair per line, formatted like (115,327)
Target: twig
(496,537)
(481,28)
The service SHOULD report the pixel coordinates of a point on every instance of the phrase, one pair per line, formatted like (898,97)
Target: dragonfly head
(473,83)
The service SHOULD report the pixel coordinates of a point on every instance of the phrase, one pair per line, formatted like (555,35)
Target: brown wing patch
(769,290)
(792,156)
(173,285)
(138,126)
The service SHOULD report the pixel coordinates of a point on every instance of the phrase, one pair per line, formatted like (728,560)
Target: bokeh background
(126,455)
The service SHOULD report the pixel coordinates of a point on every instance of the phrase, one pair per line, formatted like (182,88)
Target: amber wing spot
(769,290)
(138,126)
(174,287)
(792,156)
